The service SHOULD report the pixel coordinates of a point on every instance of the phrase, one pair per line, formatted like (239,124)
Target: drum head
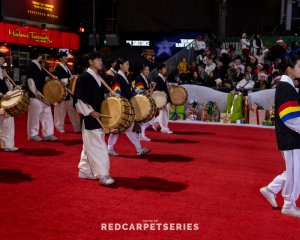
(142,107)
(72,84)
(54,91)
(111,107)
(160,99)
(178,96)
(16,96)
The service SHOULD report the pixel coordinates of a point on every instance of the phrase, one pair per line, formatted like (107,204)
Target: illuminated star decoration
(164,47)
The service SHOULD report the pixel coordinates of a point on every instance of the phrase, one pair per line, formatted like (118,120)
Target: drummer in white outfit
(64,74)
(7,125)
(161,85)
(142,84)
(122,86)
(94,161)
(287,122)
(38,111)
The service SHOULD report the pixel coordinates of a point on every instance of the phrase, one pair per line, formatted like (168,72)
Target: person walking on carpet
(287,127)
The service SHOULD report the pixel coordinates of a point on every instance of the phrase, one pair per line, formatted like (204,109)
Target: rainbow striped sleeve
(289,110)
(116,87)
(140,86)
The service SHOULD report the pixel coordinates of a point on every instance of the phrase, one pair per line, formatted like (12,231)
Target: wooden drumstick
(49,73)
(108,87)
(98,119)
(151,90)
(12,81)
(44,99)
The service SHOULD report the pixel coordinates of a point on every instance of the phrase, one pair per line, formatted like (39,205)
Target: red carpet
(202,174)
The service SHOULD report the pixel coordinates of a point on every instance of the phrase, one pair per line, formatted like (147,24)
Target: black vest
(161,85)
(287,139)
(140,79)
(61,73)
(3,86)
(125,87)
(89,92)
(38,76)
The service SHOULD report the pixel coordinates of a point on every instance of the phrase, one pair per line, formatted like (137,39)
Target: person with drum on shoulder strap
(123,87)
(64,74)
(142,84)
(161,85)
(38,111)
(7,124)
(94,161)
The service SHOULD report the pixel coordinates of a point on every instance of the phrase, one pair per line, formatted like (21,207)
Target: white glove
(65,81)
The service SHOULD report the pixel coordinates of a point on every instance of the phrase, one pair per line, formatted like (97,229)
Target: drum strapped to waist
(178,95)
(55,91)
(121,114)
(160,98)
(15,102)
(144,107)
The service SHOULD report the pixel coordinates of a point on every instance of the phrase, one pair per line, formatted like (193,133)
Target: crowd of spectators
(253,68)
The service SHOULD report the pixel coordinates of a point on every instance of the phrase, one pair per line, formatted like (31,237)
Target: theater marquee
(44,11)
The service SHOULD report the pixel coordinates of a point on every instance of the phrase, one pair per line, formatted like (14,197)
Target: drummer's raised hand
(54,77)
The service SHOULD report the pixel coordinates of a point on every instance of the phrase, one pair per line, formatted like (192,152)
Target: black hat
(62,54)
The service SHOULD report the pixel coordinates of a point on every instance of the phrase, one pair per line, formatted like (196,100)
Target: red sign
(31,36)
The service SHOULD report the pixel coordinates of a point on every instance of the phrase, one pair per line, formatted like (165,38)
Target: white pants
(132,136)
(145,125)
(60,111)
(288,181)
(7,132)
(39,112)
(163,117)
(94,160)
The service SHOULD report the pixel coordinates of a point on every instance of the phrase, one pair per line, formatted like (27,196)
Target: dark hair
(119,62)
(90,56)
(111,61)
(2,54)
(143,66)
(160,66)
(35,53)
(288,62)
(61,54)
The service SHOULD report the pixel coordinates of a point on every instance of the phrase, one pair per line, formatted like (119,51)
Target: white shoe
(293,212)
(154,127)
(84,175)
(13,149)
(106,180)
(269,196)
(168,131)
(143,151)
(35,138)
(61,130)
(50,138)
(112,153)
(144,138)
